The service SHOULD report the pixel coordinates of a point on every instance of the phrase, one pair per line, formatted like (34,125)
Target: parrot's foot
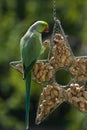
(27,127)
(23,77)
(17,65)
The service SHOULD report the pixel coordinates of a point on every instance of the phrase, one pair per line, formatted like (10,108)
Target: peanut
(77,95)
(50,97)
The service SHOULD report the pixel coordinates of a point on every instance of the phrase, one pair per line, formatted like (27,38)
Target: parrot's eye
(46,29)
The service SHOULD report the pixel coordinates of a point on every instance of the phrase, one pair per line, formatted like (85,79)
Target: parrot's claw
(17,65)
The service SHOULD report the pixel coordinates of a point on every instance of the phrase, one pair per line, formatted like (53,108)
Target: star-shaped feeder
(44,73)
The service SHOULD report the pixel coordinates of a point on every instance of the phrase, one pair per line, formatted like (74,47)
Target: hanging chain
(57,24)
(54,28)
(54,17)
(57,27)
(54,10)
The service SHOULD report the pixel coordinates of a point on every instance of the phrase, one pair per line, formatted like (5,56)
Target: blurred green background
(15,18)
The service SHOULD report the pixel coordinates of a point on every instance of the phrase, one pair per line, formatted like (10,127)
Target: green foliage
(15,18)
(78,120)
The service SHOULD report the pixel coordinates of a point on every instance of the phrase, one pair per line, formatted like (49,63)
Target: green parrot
(30,46)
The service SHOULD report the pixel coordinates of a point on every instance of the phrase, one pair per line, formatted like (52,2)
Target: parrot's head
(41,26)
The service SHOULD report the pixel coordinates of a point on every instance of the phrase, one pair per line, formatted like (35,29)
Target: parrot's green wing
(30,50)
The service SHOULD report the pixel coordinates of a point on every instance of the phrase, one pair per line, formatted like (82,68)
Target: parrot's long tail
(28,84)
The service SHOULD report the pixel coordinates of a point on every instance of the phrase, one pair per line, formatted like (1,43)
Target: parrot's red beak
(46,29)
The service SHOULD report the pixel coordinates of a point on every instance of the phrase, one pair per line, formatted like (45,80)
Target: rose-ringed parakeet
(30,46)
